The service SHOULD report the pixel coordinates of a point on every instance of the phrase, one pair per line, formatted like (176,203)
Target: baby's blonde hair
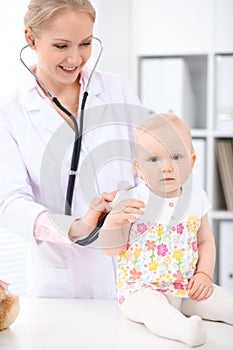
(155,122)
(41,13)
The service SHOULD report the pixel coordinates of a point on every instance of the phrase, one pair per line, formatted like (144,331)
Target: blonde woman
(60,33)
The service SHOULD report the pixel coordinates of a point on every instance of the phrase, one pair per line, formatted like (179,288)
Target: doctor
(60,32)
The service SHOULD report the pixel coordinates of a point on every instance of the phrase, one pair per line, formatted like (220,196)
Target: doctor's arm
(97,210)
(18,209)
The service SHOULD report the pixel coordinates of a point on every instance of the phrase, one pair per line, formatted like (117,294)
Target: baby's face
(164,161)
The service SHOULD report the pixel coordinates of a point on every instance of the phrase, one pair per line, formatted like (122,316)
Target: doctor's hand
(200,287)
(98,209)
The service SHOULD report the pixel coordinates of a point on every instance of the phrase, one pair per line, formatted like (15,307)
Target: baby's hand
(126,211)
(200,287)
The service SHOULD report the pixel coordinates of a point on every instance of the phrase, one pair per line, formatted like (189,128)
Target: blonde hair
(157,121)
(40,13)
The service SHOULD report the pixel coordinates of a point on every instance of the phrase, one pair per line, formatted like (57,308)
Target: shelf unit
(198,32)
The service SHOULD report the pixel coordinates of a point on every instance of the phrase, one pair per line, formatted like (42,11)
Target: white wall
(11,39)
(113,26)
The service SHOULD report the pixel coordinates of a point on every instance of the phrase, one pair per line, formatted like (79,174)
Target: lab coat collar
(32,88)
(95,88)
(33,97)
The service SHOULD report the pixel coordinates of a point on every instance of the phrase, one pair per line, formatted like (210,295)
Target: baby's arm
(114,234)
(200,284)
(99,207)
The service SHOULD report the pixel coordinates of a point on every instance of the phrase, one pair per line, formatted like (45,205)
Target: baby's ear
(193,159)
(139,170)
(2,293)
(137,167)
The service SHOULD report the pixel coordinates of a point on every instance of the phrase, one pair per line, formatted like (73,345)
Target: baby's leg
(153,309)
(218,307)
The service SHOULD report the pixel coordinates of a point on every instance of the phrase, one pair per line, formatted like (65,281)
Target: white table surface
(82,324)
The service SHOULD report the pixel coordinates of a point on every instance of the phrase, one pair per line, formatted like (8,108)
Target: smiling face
(63,48)
(164,159)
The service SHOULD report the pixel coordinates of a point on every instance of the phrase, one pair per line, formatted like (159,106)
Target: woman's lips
(69,70)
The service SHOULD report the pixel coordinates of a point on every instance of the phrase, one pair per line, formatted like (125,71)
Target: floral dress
(161,253)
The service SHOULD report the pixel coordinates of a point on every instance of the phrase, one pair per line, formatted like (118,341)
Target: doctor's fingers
(100,205)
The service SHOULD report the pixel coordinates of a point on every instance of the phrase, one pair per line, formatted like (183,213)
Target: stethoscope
(77,143)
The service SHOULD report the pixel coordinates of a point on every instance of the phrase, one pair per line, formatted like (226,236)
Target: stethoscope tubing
(77,142)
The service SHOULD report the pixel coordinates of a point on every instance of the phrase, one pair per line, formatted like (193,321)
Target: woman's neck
(68,96)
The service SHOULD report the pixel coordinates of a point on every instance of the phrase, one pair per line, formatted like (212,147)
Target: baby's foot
(194,334)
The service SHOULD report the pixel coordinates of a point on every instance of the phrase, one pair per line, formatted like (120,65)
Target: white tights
(166,315)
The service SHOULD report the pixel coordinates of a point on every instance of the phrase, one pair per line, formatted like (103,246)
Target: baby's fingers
(132,210)
(205,293)
(131,203)
(108,196)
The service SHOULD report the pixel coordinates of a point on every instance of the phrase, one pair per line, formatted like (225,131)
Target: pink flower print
(145,285)
(180,229)
(150,245)
(162,290)
(179,276)
(127,246)
(162,249)
(194,246)
(121,299)
(135,275)
(141,227)
(178,285)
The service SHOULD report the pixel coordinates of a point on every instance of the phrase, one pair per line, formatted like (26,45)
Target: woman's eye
(87,43)
(61,46)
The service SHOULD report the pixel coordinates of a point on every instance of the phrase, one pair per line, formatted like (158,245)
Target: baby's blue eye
(154,159)
(176,157)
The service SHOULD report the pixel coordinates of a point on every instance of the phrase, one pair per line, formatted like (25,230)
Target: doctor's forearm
(79,228)
(52,227)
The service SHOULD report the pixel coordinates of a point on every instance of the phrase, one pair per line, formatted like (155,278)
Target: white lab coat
(28,122)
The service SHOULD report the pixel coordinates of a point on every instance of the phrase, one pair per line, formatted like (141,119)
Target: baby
(161,234)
